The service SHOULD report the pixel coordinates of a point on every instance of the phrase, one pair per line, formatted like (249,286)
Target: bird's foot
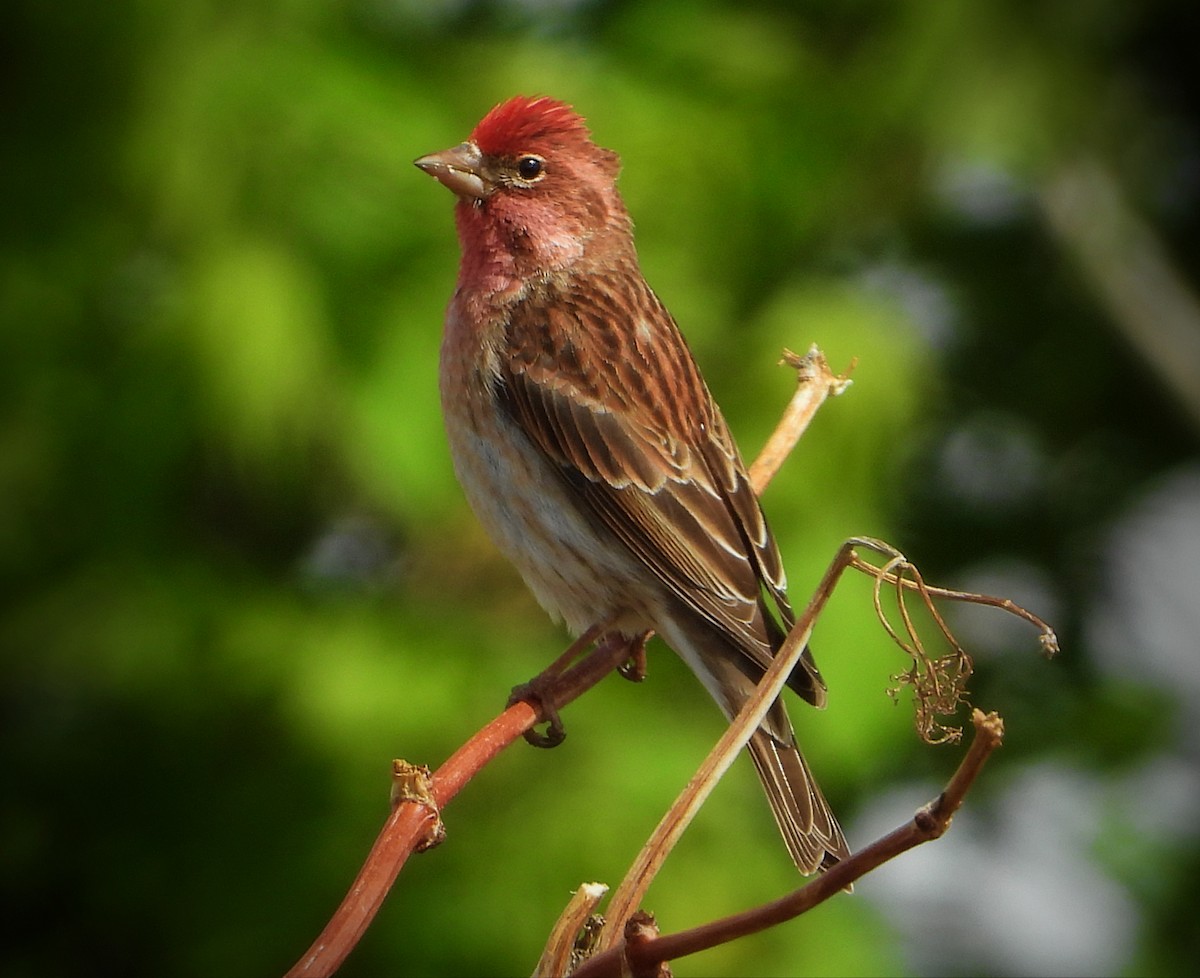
(538,693)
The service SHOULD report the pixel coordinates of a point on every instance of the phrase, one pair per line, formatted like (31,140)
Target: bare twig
(562,950)
(815,382)
(408,827)
(629,895)
(939,686)
(929,822)
(1047,638)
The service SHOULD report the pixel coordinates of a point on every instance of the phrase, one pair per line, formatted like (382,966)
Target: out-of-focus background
(238,576)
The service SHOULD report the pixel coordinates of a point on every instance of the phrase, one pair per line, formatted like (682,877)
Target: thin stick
(556,958)
(929,822)
(413,823)
(630,894)
(815,382)
(1047,636)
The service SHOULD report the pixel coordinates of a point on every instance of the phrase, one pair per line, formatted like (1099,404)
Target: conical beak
(459,169)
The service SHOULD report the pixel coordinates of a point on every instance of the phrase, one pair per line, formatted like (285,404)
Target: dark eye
(529,167)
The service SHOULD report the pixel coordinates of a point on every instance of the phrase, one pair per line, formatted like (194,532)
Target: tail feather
(809,829)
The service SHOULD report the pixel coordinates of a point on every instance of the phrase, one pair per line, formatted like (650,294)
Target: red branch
(415,823)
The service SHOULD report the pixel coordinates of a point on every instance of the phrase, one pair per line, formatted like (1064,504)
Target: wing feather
(621,409)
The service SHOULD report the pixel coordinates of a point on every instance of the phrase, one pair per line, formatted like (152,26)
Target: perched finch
(588,444)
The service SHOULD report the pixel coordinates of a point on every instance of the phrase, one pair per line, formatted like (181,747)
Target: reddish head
(535,193)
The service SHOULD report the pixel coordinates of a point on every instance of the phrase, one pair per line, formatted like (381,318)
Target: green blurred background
(238,576)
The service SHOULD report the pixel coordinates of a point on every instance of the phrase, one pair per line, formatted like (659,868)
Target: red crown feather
(512,126)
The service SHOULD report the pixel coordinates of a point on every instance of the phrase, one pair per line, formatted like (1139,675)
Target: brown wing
(603,383)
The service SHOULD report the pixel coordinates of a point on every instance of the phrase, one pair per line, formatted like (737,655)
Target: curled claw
(537,692)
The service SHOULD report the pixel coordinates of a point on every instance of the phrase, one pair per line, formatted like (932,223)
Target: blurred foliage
(238,577)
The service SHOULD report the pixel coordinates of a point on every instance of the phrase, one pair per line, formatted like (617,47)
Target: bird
(589,446)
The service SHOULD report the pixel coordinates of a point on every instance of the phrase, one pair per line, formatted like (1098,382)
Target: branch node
(1049,642)
(990,725)
(813,366)
(640,929)
(413,783)
(929,823)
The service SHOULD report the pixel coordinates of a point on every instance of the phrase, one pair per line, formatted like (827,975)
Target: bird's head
(531,178)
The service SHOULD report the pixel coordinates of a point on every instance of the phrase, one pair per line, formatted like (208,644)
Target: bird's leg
(634,668)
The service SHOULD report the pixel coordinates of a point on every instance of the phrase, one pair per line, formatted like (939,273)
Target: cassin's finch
(588,444)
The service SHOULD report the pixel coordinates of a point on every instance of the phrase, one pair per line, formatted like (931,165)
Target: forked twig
(929,822)
(815,383)
(939,687)
(629,895)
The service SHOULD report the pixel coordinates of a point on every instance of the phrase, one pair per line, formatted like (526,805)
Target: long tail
(809,829)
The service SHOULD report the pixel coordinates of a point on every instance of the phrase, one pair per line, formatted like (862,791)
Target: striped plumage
(588,444)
